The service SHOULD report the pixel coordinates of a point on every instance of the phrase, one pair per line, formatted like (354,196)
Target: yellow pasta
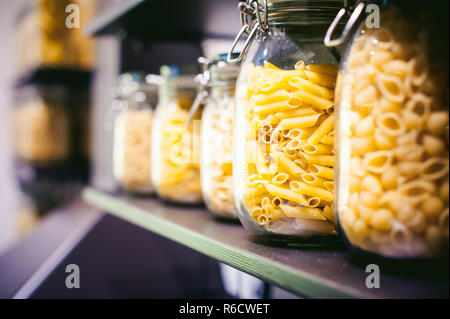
(324,128)
(312,88)
(306,189)
(393,138)
(285,193)
(289,123)
(302,212)
(176,152)
(287,164)
(298,122)
(322,171)
(314,100)
(327,69)
(321,79)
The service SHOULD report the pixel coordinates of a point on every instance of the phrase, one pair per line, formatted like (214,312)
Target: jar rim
(302,12)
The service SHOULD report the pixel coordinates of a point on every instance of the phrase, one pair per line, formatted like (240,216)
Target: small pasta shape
(280,179)
(391,124)
(391,87)
(434,168)
(377,162)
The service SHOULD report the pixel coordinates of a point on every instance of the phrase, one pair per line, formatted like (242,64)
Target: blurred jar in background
(217,137)
(135,101)
(45,40)
(50,142)
(176,138)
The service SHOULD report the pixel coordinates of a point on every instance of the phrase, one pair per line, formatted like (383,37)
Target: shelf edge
(294,280)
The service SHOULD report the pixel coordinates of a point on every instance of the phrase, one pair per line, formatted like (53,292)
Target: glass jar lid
(302,12)
(260,15)
(222,71)
(132,82)
(134,89)
(180,76)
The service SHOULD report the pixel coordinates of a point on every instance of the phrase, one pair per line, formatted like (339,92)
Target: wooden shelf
(307,270)
(72,78)
(168,19)
(26,265)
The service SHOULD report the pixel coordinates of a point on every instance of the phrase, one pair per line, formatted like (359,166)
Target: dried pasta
(132,150)
(287,148)
(393,144)
(41,132)
(217,157)
(176,152)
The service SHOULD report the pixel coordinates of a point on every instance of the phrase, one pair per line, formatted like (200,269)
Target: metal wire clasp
(202,81)
(348,26)
(253,17)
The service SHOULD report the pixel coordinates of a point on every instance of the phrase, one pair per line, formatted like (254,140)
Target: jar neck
(302,12)
(170,93)
(223,89)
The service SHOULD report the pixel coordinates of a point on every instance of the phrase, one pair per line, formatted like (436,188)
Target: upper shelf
(305,269)
(73,78)
(168,19)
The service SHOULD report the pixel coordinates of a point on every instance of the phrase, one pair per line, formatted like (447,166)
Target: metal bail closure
(249,25)
(243,30)
(348,26)
(202,79)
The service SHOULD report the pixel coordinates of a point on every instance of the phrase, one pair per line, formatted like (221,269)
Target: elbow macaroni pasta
(286,169)
(393,144)
(132,150)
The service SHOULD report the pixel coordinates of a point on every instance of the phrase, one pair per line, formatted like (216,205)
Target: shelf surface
(310,272)
(168,19)
(29,262)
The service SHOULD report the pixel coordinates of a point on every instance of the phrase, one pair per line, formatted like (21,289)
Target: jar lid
(132,82)
(180,75)
(303,11)
(221,70)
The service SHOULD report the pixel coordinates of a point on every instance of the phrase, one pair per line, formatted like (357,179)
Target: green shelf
(309,271)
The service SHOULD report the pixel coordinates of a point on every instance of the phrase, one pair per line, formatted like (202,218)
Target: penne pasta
(282,110)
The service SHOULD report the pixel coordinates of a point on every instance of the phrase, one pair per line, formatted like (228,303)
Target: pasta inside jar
(176,143)
(392,170)
(135,100)
(132,150)
(217,138)
(42,132)
(286,174)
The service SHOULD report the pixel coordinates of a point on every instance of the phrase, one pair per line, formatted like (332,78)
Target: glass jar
(49,123)
(43,40)
(134,102)
(176,138)
(392,138)
(217,138)
(283,159)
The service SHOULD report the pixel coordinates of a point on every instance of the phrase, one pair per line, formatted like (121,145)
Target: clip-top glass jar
(176,138)
(217,137)
(284,123)
(134,100)
(392,110)
(50,138)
